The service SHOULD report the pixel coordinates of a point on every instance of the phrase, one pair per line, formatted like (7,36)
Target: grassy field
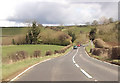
(13,31)
(77,30)
(9,70)
(81,33)
(28,48)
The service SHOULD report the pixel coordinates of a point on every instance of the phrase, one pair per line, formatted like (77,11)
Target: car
(74,47)
(78,45)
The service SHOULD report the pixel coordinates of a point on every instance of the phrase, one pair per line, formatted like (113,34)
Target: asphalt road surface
(74,66)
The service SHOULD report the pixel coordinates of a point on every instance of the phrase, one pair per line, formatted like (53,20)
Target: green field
(28,48)
(77,30)
(13,31)
(10,69)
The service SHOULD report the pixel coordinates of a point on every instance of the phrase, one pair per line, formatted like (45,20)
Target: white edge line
(30,68)
(100,60)
(74,61)
(85,73)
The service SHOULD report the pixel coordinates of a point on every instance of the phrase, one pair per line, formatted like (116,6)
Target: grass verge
(11,70)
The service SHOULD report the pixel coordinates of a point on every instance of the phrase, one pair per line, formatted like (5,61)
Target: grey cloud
(59,13)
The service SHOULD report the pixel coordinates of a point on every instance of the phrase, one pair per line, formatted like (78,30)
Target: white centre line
(77,65)
(83,71)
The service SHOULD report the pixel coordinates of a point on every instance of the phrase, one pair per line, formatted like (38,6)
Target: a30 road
(75,66)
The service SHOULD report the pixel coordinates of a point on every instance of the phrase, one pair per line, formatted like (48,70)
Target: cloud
(65,12)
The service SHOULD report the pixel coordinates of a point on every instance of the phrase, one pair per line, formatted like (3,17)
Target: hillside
(108,33)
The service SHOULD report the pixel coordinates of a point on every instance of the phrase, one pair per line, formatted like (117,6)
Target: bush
(99,43)
(114,53)
(48,53)
(100,52)
(37,53)
(13,41)
(72,35)
(63,50)
(92,34)
(56,51)
(20,55)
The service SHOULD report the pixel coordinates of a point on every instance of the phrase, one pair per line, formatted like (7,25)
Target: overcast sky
(18,12)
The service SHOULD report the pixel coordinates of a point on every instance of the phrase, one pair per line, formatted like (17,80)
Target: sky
(22,12)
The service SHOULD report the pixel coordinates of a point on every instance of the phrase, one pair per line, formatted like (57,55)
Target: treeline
(14,27)
(36,35)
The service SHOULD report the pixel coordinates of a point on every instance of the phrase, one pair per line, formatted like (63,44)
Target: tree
(92,34)
(72,35)
(32,35)
(111,20)
(95,22)
(104,20)
(13,41)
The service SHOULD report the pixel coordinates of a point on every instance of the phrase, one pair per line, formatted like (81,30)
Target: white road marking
(96,80)
(30,68)
(77,65)
(85,73)
(74,61)
(100,60)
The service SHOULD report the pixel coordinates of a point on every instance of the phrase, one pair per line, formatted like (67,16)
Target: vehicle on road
(78,45)
(74,47)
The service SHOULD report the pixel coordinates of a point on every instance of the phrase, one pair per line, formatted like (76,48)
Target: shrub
(114,53)
(72,35)
(99,43)
(19,55)
(37,53)
(13,41)
(48,53)
(63,49)
(56,51)
(92,34)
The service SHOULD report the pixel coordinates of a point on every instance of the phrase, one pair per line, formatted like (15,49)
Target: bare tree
(95,22)
(104,20)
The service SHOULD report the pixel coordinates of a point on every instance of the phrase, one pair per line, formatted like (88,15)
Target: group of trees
(32,35)
(49,36)
(39,35)
(102,20)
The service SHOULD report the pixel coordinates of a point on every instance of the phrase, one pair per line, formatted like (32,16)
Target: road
(74,66)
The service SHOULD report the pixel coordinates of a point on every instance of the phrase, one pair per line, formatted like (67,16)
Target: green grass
(109,32)
(77,30)
(28,48)
(14,31)
(10,70)
(81,33)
